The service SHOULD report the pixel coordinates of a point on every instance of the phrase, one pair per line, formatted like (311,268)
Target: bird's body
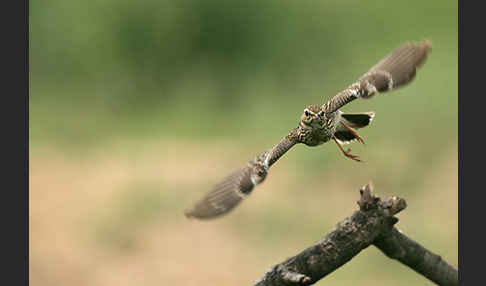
(318,125)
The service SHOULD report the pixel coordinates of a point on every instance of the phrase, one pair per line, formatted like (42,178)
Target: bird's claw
(348,154)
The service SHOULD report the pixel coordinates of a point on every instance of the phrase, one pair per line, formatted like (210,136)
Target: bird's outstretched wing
(395,70)
(226,195)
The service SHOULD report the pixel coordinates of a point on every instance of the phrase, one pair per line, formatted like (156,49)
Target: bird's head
(313,116)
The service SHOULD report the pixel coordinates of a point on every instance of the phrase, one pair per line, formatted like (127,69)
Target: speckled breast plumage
(317,135)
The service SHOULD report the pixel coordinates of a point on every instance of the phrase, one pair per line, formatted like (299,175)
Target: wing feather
(397,69)
(224,196)
(230,192)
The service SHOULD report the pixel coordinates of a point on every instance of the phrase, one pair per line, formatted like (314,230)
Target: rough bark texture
(398,246)
(373,222)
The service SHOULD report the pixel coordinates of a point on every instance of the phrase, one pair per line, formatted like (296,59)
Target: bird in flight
(318,125)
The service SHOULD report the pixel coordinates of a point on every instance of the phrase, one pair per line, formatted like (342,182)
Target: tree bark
(396,245)
(372,223)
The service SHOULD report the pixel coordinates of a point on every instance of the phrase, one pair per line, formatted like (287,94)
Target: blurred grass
(137,108)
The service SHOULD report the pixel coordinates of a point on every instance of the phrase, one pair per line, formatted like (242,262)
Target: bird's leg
(353,132)
(346,153)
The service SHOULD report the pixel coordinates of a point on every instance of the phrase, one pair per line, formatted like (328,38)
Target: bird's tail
(358,120)
(353,121)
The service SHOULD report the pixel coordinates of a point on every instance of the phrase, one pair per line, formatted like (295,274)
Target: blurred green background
(138,107)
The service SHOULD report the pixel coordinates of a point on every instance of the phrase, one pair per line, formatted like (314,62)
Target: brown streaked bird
(318,125)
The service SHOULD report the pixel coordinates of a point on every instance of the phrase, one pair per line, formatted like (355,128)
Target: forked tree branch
(371,224)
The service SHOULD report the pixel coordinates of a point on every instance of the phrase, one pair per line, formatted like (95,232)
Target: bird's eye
(306,113)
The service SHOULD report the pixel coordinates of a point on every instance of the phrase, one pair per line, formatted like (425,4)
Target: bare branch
(398,246)
(373,222)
